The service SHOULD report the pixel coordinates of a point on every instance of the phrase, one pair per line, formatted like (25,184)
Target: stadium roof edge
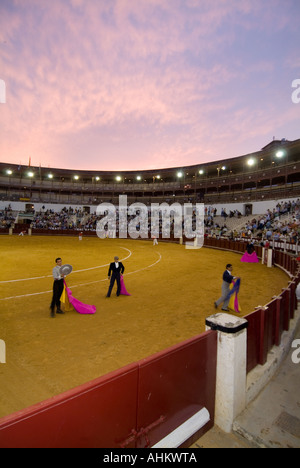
(266,150)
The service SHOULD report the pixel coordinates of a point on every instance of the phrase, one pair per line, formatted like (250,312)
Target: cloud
(144,83)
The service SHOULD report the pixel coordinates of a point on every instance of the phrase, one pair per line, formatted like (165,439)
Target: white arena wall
(258,208)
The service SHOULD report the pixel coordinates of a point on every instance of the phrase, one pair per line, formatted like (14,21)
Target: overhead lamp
(279,154)
(219,168)
(118,178)
(8,171)
(76,177)
(251,162)
(201,172)
(50,176)
(179,174)
(30,174)
(97,178)
(138,177)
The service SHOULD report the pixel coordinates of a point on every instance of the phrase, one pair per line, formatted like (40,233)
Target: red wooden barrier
(96,414)
(294,305)
(266,326)
(253,339)
(176,384)
(135,406)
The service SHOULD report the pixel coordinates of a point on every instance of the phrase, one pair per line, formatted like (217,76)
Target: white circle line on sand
(83,284)
(75,271)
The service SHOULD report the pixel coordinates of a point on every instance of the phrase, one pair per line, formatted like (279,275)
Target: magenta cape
(123,289)
(79,306)
(234,302)
(250,258)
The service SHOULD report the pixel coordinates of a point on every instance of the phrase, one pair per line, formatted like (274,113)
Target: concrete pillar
(231,367)
(267,257)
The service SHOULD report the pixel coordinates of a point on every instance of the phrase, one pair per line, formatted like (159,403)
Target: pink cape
(123,289)
(250,258)
(79,306)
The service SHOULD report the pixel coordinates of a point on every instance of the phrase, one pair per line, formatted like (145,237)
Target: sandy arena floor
(173,291)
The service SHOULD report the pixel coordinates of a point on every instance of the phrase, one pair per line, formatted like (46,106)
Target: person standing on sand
(58,287)
(116,269)
(227,280)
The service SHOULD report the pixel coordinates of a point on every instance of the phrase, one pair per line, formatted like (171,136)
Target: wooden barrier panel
(269,329)
(97,414)
(266,326)
(176,384)
(135,406)
(254,338)
(285,304)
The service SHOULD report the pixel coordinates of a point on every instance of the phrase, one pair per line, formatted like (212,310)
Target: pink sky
(142,84)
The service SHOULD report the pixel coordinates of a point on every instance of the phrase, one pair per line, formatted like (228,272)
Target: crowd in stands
(283,222)
(6,217)
(65,219)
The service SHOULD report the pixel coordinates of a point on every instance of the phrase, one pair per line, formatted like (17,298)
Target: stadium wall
(258,208)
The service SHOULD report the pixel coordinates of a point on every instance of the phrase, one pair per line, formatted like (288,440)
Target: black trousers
(58,287)
(114,277)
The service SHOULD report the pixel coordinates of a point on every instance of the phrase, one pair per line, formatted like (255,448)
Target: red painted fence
(266,324)
(135,406)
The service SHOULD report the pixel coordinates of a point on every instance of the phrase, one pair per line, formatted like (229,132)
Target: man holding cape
(116,269)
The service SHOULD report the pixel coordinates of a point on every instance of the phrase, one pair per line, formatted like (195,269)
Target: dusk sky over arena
(144,84)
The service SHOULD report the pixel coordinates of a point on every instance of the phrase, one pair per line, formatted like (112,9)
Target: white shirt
(56,272)
(117,264)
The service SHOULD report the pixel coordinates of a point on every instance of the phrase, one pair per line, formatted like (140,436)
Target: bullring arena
(172,290)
